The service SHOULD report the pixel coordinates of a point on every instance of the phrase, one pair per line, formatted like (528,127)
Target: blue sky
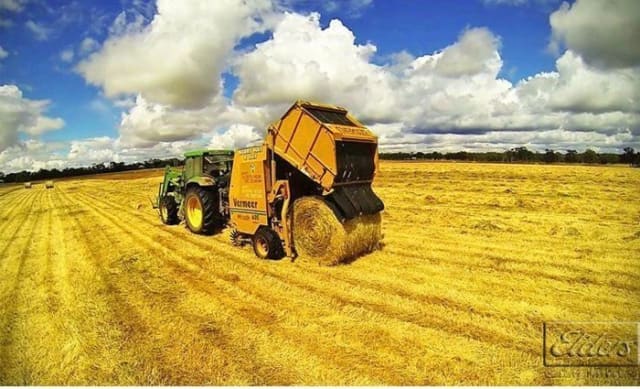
(56,54)
(428,26)
(417,27)
(36,67)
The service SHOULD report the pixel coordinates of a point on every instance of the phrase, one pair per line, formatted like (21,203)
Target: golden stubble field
(95,290)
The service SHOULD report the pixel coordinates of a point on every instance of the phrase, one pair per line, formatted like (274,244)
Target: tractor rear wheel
(267,244)
(200,210)
(169,210)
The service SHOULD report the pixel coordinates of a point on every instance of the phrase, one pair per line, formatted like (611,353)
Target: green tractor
(198,193)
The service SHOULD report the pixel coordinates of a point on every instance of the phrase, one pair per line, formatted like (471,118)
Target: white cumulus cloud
(476,51)
(148,123)
(304,61)
(164,72)
(22,115)
(604,33)
(177,58)
(236,136)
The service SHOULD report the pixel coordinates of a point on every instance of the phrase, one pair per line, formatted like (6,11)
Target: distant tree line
(48,174)
(522,154)
(517,154)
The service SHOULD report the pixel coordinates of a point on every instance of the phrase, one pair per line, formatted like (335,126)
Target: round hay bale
(318,234)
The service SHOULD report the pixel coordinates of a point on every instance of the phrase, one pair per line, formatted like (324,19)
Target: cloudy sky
(91,81)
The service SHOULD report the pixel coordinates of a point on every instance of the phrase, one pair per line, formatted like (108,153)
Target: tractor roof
(203,152)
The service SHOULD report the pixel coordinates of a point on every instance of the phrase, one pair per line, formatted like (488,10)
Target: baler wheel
(267,244)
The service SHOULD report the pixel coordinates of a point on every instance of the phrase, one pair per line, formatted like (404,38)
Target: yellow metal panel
(325,151)
(316,169)
(287,126)
(298,136)
(304,136)
(327,181)
(248,191)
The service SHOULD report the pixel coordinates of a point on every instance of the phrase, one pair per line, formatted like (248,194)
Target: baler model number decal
(353,130)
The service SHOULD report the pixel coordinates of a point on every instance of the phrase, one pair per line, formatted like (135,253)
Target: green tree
(629,156)
(550,156)
(606,158)
(522,154)
(571,156)
(590,156)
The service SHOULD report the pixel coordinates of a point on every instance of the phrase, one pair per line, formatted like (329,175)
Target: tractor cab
(212,164)
(199,192)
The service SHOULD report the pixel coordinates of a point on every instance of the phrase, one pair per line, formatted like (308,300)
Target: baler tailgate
(355,200)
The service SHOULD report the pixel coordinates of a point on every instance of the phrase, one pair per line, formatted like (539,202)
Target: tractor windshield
(214,167)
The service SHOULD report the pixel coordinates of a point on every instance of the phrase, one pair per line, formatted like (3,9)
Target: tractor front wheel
(169,210)
(200,210)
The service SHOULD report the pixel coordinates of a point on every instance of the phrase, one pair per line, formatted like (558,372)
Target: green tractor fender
(201,181)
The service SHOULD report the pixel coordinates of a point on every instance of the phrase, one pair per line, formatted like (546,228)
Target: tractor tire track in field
(12,302)
(9,191)
(254,316)
(515,256)
(388,289)
(118,298)
(32,315)
(76,300)
(495,262)
(314,286)
(135,324)
(213,280)
(530,327)
(441,323)
(10,224)
(128,324)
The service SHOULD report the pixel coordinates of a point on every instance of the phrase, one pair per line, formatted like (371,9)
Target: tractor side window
(189,166)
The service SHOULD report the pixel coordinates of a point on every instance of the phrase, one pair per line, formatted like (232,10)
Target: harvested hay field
(475,258)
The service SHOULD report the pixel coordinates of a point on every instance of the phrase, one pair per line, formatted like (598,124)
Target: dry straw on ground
(94,291)
(318,234)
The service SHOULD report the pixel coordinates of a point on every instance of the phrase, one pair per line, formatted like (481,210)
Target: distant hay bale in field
(430,199)
(48,184)
(27,185)
(565,231)
(495,203)
(572,231)
(487,225)
(318,234)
